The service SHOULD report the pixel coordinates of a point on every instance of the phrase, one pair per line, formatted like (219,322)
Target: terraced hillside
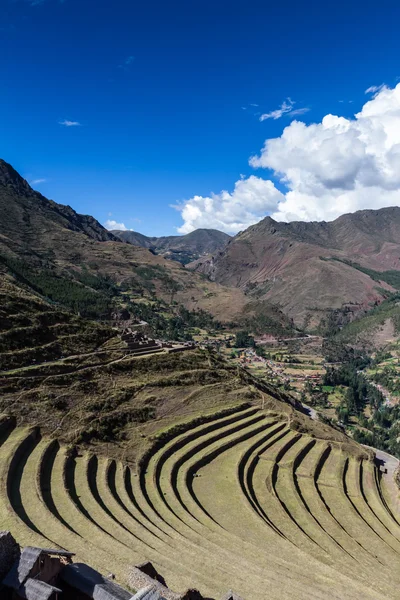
(258,500)
(32,330)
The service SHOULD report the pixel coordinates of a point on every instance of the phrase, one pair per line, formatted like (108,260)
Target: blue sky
(163,93)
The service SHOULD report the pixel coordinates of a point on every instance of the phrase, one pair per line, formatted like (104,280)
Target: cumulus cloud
(67,123)
(339,165)
(326,169)
(111,224)
(250,200)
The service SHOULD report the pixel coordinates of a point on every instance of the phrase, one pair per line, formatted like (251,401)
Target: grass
(382,519)
(243,498)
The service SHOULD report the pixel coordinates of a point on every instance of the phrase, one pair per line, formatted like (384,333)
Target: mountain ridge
(15,187)
(72,259)
(308,268)
(183,248)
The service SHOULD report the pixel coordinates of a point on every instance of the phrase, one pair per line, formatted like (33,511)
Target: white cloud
(286,108)
(326,169)
(339,165)
(250,200)
(299,111)
(68,123)
(374,89)
(37,181)
(110,224)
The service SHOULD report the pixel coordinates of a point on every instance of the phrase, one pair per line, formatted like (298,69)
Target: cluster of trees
(262,323)
(198,318)
(314,395)
(382,430)
(91,298)
(389,378)
(358,393)
(335,351)
(388,309)
(150,273)
(381,356)
(176,327)
(244,340)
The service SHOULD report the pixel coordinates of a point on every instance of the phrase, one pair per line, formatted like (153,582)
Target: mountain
(26,214)
(311,269)
(135,238)
(71,258)
(183,248)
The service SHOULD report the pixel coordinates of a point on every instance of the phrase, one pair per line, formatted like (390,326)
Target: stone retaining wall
(9,552)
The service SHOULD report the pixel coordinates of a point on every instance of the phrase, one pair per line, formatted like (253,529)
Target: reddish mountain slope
(302,266)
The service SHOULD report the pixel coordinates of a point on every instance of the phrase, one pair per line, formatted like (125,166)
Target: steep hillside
(73,260)
(310,269)
(33,330)
(183,248)
(26,216)
(376,329)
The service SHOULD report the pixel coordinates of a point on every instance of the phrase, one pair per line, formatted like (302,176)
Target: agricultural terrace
(260,500)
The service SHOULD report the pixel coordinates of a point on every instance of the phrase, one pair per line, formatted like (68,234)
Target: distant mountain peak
(11,179)
(19,204)
(183,248)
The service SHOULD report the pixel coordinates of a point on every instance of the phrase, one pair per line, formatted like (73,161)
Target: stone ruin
(9,553)
(138,342)
(145,576)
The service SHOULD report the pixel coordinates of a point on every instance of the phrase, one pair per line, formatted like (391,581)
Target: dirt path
(311,412)
(72,369)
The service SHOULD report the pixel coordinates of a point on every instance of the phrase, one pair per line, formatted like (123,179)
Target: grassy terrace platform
(242,501)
